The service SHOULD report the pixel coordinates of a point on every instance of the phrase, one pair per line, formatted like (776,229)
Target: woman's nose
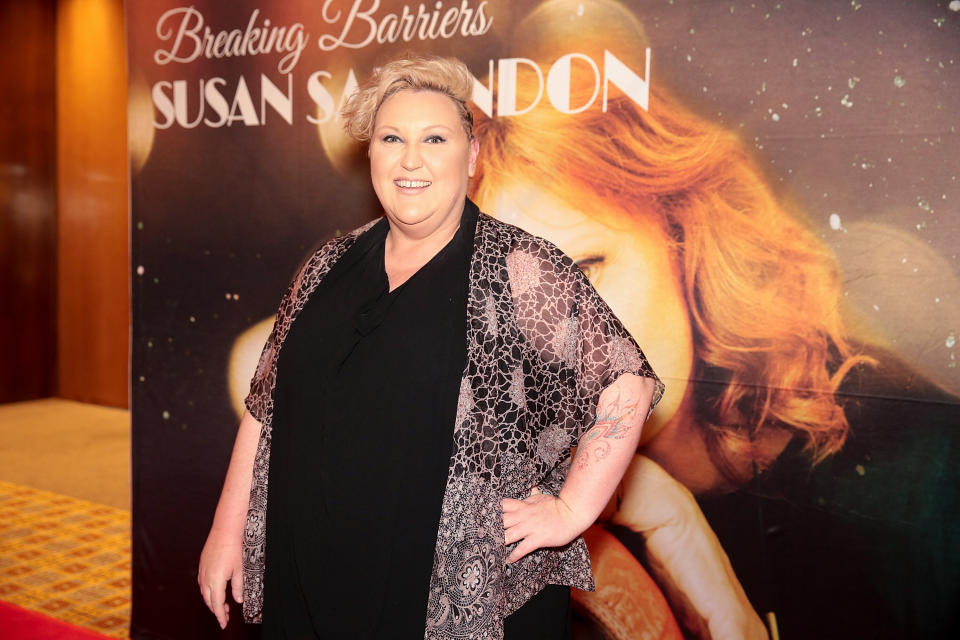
(411,158)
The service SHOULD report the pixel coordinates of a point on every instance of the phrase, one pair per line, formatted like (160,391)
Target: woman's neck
(405,253)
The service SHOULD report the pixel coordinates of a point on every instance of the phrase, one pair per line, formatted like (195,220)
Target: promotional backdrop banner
(764,192)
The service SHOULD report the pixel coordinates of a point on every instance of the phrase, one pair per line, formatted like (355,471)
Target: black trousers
(546,616)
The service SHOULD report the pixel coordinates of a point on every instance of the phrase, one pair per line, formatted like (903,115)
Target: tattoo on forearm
(596,451)
(613,422)
(602,450)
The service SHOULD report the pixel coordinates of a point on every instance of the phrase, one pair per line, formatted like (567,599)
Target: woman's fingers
(519,523)
(236,585)
(219,564)
(510,505)
(522,549)
(214,596)
(514,533)
(513,518)
(220,608)
(513,508)
(512,512)
(220,612)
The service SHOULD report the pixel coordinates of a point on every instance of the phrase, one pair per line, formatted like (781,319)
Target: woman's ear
(474,150)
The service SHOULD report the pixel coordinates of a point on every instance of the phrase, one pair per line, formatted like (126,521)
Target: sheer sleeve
(259,401)
(572,329)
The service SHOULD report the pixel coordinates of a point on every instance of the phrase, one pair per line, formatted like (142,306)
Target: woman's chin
(409,216)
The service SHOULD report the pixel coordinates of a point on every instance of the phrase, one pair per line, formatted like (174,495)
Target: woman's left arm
(602,457)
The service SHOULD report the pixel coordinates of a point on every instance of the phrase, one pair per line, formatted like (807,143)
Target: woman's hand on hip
(537,522)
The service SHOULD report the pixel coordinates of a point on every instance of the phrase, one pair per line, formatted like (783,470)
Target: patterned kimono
(541,346)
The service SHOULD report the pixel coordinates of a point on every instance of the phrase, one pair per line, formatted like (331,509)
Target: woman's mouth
(412,184)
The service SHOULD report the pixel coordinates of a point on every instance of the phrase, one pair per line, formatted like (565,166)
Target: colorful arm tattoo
(615,419)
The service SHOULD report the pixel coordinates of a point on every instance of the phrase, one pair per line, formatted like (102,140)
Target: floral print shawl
(541,346)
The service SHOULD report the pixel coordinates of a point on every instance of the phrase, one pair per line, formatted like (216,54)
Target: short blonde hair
(448,76)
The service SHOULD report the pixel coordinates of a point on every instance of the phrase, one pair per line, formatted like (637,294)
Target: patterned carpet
(65,558)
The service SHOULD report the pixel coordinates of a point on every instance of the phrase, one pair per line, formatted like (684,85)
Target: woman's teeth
(412,184)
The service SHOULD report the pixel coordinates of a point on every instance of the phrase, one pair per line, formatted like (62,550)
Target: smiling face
(629,264)
(420,161)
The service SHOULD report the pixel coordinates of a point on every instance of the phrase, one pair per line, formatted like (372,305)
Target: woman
(739,303)
(421,481)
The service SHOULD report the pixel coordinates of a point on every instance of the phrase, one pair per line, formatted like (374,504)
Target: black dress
(365,402)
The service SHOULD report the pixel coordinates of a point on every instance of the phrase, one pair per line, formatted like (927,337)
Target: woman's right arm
(221,559)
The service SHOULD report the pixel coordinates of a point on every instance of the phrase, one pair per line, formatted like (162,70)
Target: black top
(365,403)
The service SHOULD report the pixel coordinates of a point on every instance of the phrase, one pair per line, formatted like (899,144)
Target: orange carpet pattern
(65,558)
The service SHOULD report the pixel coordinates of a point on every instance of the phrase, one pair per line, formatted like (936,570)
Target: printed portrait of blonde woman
(779,410)
(783,476)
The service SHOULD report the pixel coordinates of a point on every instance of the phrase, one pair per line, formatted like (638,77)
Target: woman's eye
(590,266)
(391,138)
(435,139)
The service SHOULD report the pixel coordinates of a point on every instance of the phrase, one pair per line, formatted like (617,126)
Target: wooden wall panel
(93,202)
(27,201)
